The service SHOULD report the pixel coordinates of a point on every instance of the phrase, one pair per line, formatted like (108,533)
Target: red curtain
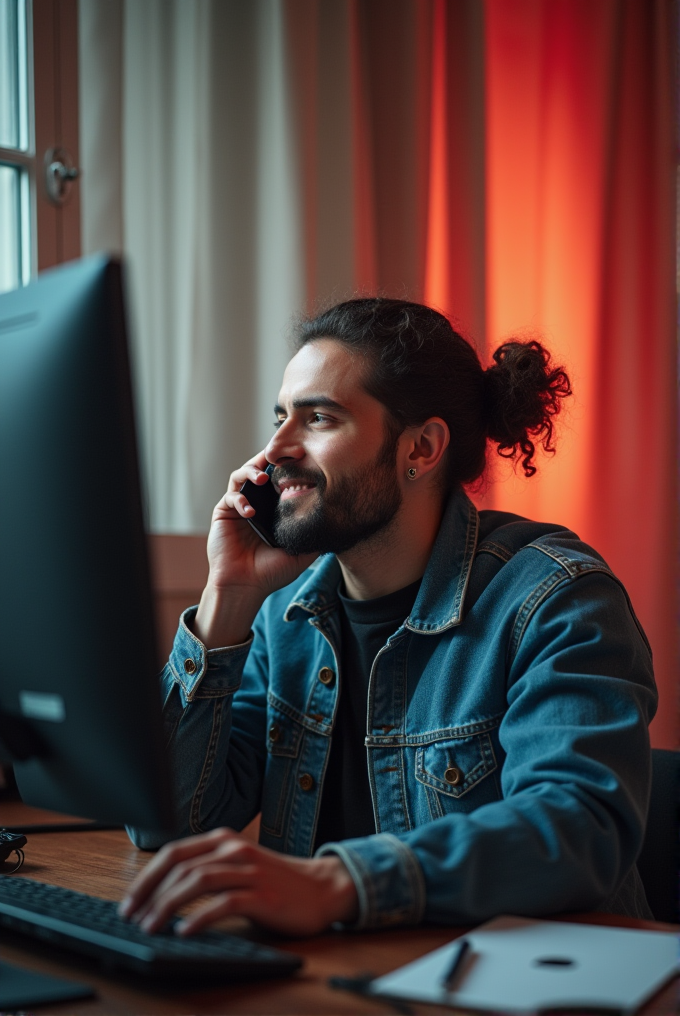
(580,241)
(512,162)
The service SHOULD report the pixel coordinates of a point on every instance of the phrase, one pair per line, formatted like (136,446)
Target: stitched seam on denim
(310,607)
(469,554)
(402,773)
(198,645)
(195,813)
(361,878)
(290,750)
(433,803)
(537,595)
(404,791)
(281,751)
(300,718)
(213,654)
(280,804)
(497,549)
(634,616)
(574,567)
(471,775)
(464,578)
(207,693)
(473,778)
(173,730)
(178,677)
(582,571)
(415,877)
(373,789)
(429,736)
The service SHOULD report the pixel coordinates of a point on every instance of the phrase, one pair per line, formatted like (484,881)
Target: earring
(411,473)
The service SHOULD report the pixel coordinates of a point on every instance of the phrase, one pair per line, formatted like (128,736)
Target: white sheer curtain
(187,114)
(209,214)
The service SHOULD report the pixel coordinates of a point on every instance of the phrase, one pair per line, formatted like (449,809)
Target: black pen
(450,975)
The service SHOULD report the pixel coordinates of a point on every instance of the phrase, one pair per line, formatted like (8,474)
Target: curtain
(509,161)
(580,243)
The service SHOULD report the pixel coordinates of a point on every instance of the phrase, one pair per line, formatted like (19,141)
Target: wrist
(225,616)
(341,894)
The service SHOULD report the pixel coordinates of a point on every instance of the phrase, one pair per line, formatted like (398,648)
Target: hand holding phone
(244,569)
(264,500)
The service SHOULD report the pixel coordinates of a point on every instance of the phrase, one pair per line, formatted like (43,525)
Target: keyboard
(91,926)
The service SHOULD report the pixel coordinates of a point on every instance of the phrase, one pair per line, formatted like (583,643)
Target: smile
(290,490)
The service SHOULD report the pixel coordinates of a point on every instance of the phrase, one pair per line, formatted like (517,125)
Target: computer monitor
(80,709)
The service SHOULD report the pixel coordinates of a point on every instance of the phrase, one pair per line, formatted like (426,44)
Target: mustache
(298,475)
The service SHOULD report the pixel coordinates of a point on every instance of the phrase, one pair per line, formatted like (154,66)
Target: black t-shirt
(346,806)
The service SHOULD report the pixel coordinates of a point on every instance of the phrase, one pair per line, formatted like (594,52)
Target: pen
(450,975)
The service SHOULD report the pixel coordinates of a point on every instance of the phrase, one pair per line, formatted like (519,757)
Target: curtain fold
(508,161)
(580,245)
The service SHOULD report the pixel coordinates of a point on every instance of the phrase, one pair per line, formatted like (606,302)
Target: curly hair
(420,367)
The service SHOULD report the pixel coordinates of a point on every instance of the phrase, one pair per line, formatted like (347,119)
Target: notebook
(520,965)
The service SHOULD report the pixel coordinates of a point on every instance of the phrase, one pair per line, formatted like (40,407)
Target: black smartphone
(264,500)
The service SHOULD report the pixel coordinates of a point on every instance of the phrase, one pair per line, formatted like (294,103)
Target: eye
(277,423)
(319,418)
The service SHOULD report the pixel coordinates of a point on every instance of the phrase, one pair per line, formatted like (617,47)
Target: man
(441,714)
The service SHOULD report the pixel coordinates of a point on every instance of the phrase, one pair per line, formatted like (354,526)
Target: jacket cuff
(388,879)
(201,672)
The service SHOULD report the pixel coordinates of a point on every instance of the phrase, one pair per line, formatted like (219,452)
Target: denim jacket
(506,729)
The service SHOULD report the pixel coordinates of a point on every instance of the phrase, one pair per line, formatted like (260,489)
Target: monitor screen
(80,711)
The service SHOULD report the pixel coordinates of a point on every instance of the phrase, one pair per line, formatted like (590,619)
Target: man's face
(334,454)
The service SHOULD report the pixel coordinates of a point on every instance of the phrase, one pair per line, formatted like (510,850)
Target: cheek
(338,451)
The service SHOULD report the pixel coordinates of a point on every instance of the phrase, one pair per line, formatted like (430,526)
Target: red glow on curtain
(437,270)
(578,222)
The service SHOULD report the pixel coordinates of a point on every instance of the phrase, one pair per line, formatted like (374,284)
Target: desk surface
(103,863)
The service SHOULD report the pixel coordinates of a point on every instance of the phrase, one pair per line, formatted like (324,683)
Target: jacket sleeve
(575,782)
(215,737)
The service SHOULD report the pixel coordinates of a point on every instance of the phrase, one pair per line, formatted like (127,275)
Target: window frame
(50,234)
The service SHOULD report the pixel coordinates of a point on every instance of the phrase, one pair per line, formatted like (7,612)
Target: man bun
(523,391)
(419,367)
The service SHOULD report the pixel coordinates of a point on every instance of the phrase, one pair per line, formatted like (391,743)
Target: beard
(361,505)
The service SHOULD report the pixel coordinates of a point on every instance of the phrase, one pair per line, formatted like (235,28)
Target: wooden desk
(103,863)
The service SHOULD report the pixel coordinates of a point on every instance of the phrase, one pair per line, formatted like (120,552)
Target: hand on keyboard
(294,895)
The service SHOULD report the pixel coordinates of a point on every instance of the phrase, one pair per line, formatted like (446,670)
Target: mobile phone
(264,500)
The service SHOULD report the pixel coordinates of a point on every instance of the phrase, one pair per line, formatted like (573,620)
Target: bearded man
(440,713)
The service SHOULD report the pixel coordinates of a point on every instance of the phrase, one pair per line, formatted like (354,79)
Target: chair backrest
(659,861)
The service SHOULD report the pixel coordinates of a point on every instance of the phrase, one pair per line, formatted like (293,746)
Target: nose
(285,445)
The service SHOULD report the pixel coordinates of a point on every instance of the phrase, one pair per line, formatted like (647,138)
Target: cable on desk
(61,827)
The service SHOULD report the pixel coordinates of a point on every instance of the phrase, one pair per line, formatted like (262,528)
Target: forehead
(326,367)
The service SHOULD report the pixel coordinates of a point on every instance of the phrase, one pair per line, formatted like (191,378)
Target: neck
(398,555)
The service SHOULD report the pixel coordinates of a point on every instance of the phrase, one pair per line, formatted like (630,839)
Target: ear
(424,446)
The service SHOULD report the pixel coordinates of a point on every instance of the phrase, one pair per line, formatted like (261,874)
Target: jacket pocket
(284,736)
(455,766)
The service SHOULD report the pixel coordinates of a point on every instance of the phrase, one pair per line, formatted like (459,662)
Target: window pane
(10,234)
(10,127)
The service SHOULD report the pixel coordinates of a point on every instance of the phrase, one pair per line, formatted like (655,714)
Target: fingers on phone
(242,505)
(247,472)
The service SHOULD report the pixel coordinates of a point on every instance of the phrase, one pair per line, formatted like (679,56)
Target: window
(39,200)
(15,146)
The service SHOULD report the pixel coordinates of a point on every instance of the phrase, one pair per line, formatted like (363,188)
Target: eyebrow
(322,401)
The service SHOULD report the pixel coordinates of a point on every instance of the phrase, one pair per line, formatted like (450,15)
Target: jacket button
(453,775)
(274,732)
(326,676)
(306,781)
(190,667)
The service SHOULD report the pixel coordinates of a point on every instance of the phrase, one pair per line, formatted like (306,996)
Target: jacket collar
(439,604)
